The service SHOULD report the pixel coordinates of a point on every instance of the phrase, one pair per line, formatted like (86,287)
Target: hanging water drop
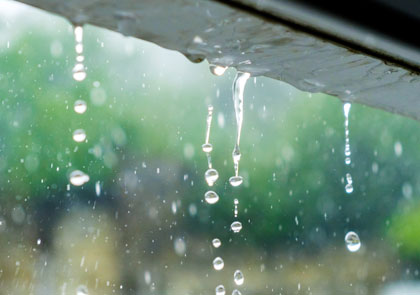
(238,277)
(78,178)
(80,106)
(217,70)
(211,176)
(220,290)
(216,243)
(236,226)
(218,263)
(352,241)
(238,102)
(79,135)
(211,197)
(79,72)
(236,292)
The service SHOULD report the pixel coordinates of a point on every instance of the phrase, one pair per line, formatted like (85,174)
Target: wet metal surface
(224,35)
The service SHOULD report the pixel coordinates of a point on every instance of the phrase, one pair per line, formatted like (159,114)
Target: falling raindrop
(211,176)
(216,243)
(236,180)
(352,241)
(220,290)
(38,242)
(147,277)
(218,263)
(238,101)
(349,185)
(79,135)
(211,197)
(79,72)
(180,247)
(80,106)
(235,212)
(78,178)
(207,147)
(98,188)
(238,277)
(236,292)
(217,70)
(236,226)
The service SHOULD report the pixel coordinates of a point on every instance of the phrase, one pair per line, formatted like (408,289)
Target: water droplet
(79,135)
(147,277)
(216,243)
(211,176)
(238,277)
(98,188)
(79,73)
(80,106)
(82,290)
(218,263)
(235,180)
(180,246)
(78,178)
(192,209)
(352,241)
(211,197)
(236,292)
(38,242)
(236,226)
(207,147)
(220,290)
(398,149)
(349,188)
(217,70)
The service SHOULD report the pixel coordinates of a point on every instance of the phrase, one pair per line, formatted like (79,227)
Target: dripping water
(238,102)
(79,72)
(347,151)
(235,212)
(211,174)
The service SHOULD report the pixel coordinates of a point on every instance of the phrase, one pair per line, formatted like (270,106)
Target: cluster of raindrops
(78,177)
(347,152)
(351,239)
(79,72)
